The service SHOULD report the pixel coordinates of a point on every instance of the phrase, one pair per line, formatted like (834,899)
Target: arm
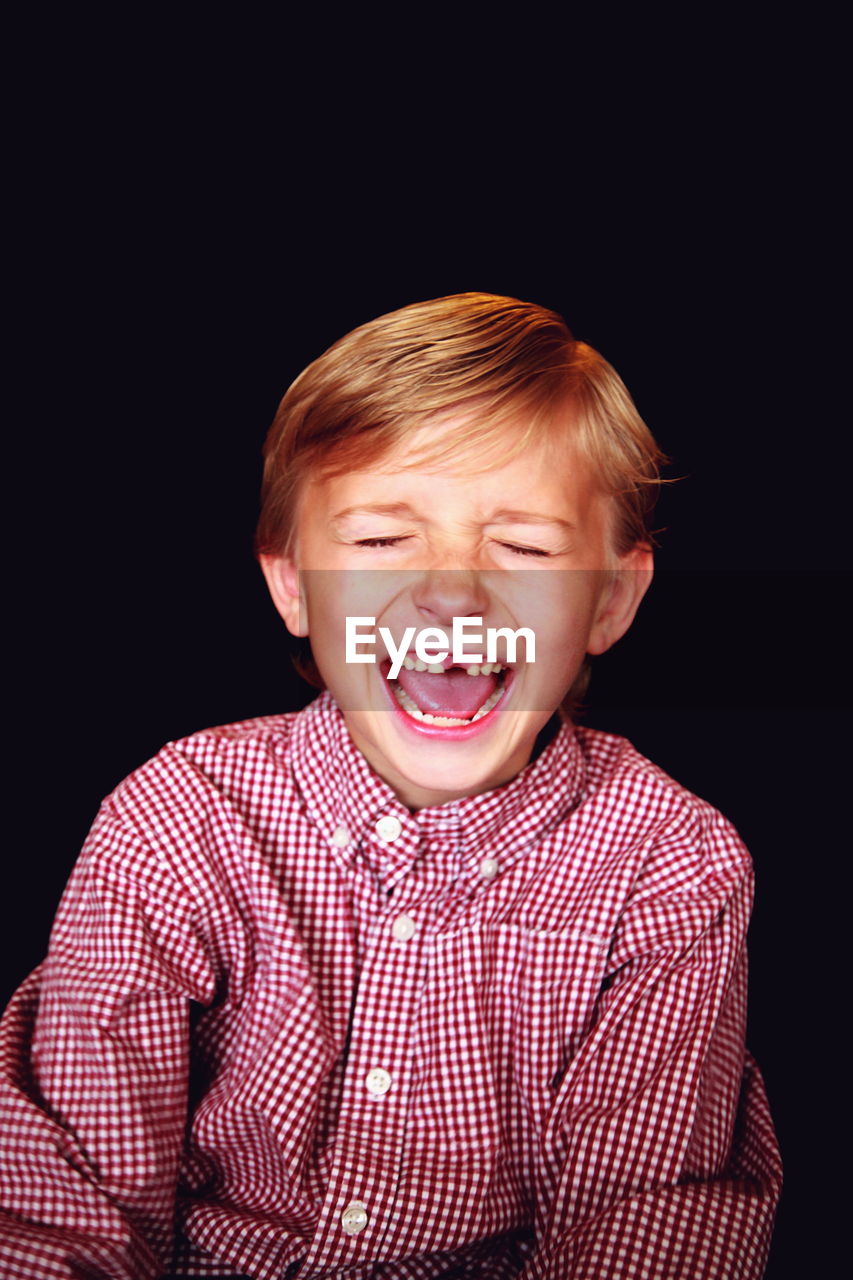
(661,1159)
(93,1074)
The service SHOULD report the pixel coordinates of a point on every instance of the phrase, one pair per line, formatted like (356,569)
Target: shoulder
(209,789)
(199,818)
(678,836)
(250,751)
(187,849)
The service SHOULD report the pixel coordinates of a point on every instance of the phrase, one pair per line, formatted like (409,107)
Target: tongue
(453,694)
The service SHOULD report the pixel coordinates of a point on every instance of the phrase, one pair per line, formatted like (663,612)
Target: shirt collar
(343,794)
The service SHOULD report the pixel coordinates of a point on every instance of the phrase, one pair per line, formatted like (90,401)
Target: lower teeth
(411,708)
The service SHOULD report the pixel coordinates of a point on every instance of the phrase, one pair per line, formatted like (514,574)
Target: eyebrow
(507,516)
(375,509)
(504,516)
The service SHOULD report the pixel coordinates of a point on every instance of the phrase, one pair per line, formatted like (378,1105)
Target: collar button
(388,828)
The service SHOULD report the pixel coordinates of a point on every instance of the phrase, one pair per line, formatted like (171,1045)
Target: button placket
(375,1099)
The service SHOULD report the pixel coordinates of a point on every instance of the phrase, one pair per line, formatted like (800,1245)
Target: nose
(444,594)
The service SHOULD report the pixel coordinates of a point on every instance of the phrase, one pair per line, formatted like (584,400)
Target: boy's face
(524,543)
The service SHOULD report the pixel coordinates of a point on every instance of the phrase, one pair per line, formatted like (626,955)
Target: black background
(191,225)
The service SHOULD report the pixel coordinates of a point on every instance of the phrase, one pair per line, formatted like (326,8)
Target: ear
(283,580)
(620,598)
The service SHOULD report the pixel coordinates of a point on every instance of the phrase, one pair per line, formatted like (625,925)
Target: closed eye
(381,542)
(524,551)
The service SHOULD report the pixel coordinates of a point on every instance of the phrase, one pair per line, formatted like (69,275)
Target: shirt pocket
(504,1010)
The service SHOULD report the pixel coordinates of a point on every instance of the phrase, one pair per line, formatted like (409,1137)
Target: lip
(440,732)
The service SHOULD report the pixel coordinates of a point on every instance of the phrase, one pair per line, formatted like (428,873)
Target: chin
(444,765)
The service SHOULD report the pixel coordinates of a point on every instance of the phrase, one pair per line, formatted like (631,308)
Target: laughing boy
(425,980)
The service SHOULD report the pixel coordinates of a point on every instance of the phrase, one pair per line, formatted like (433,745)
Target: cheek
(329,610)
(330,600)
(564,620)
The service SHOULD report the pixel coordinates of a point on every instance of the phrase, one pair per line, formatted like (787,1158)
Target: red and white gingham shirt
(288,1027)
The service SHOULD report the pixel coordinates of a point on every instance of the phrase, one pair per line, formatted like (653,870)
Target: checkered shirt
(287,1027)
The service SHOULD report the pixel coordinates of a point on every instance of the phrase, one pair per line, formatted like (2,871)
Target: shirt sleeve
(662,1159)
(93,1073)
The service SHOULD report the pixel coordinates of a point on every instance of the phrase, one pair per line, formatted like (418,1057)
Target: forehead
(455,465)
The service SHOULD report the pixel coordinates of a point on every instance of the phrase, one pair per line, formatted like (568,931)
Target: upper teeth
(437,668)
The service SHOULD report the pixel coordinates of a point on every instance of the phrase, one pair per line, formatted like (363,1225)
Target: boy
(423,980)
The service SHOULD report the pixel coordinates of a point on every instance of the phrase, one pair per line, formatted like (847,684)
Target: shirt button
(340,837)
(378,1081)
(489,868)
(389,827)
(354,1218)
(403,928)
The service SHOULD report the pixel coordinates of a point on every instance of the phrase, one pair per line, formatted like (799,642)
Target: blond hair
(507,359)
(498,357)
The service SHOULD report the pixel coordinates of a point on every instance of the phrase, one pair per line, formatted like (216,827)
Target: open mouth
(451,697)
